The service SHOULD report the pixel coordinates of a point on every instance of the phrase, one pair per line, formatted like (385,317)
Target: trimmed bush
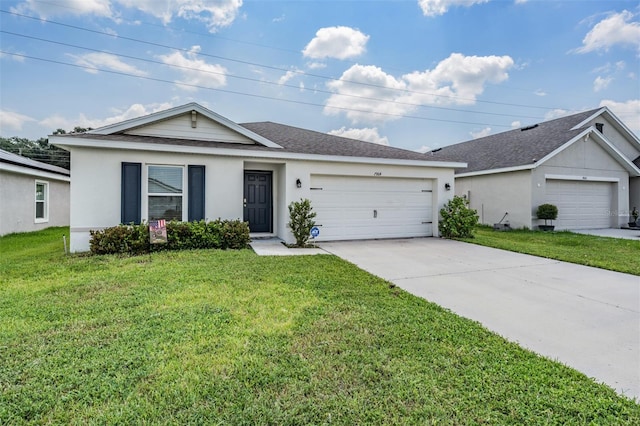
(547,212)
(457,220)
(301,221)
(134,239)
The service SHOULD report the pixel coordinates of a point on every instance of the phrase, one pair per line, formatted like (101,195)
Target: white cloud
(628,112)
(521,1)
(287,76)
(556,113)
(280,18)
(12,120)
(440,7)
(364,134)
(67,7)
(94,61)
(57,121)
(455,80)
(516,124)
(481,133)
(12,55)
(316,65)
(336,42)
(540,92)
(215,14)
(601,83)
(616,29)
(195,72)
(423,149)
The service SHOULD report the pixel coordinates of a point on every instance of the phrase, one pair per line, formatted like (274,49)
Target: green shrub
(134,239)
(457,220)
(301,220)
(547,212)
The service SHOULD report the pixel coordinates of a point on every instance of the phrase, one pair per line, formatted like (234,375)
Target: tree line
(40,149)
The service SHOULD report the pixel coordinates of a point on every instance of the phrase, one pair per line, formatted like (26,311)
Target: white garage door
(581,205)
(351,208)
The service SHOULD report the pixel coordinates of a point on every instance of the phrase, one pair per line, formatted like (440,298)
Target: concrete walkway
(584,317)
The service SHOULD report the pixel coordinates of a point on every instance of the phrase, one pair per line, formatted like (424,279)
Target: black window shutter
(131,203)
(196,192)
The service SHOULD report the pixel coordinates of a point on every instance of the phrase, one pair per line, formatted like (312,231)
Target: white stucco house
(33,195)
(587,164)
(189,163)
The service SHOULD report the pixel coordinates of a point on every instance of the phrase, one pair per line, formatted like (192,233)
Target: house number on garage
(377,173)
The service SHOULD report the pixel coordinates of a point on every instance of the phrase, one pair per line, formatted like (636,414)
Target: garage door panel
(581,205)
(365,207)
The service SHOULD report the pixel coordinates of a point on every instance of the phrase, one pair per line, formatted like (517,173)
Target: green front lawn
(227,337)
(614,254)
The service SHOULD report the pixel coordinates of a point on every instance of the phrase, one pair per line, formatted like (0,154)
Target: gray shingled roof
(18,160)
(513,148)
(292,140)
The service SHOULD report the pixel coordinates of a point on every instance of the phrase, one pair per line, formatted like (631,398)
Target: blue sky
(414,74)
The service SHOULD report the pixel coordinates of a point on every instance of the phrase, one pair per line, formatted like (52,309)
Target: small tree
(547,212)
(301,220)
(457,220)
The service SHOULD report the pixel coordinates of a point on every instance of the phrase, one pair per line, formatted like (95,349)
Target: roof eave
(65,141)
(495,171)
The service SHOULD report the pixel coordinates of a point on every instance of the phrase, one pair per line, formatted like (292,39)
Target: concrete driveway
(584,317)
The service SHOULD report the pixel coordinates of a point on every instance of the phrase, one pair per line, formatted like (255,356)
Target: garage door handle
(375,214)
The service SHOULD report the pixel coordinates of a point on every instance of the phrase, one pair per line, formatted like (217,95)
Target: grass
(614,254)
(222,337)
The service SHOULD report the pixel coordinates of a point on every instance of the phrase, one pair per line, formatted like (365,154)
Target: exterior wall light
(447,186)
(298,183)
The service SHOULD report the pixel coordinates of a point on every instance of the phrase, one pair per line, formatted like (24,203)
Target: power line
(263,81)
(247,94)
(179,49)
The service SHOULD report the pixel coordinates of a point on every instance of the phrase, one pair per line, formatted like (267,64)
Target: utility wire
(266,81)
(179,49)
(246,94)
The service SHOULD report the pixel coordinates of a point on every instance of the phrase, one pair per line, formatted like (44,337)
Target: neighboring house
(33,195)
(189,163)
(587,164)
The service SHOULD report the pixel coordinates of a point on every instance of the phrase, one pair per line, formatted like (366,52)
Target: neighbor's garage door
(351,208)
(581,205)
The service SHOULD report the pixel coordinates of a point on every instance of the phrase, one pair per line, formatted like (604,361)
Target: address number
(377,173)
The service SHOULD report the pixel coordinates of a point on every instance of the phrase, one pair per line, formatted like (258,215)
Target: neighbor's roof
(519,147)
(290,139)
(18,160)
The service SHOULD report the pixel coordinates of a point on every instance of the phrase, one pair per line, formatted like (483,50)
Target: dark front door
(257,201)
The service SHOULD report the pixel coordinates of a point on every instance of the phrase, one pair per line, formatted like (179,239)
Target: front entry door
(257,201)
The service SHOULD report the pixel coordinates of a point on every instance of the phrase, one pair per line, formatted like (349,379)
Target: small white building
(189,163)
(33,195)
(587,164)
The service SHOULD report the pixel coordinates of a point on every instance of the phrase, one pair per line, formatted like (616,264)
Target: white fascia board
(592,132)
(621,126)
(230,152)
(13,168)
(494,171)
(172,112)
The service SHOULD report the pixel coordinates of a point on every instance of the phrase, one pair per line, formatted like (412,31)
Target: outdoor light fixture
(298,183)
(447,186)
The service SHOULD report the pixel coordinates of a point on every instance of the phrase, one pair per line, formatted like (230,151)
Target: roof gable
(527,147)
(191,121)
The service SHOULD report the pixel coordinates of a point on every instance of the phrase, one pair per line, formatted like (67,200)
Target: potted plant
(547,212)
(633,219)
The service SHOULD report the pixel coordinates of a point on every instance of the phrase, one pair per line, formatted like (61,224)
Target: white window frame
(45,202)
(147,194)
